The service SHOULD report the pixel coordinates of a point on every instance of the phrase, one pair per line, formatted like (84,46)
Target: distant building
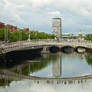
(69,36)
(2,25)
(57,27)
(12,28)
(80,36)
(8,26)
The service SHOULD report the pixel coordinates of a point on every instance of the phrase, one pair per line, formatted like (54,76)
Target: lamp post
(29,34)
(20,32)
(6,33)
(20,35)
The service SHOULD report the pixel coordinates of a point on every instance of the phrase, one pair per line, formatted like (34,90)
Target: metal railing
(24,44)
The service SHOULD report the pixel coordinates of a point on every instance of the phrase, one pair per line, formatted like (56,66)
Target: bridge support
(45,50)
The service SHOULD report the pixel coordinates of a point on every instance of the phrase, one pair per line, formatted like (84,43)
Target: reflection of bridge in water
(16,77)
(12,76)
(5,74)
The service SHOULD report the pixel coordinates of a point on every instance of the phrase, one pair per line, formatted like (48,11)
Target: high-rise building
(57,27)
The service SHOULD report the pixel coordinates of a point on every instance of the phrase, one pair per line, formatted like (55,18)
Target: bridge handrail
(24,44)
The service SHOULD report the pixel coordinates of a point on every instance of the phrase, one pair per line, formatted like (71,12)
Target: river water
(50,66)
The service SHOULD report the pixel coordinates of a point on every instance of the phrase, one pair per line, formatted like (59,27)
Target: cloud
(12,11)
(83,7)
(55,13)
(40,3)
(36,12)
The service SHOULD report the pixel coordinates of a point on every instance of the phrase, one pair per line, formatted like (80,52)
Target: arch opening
(80,49)
(67,49)
(54,49)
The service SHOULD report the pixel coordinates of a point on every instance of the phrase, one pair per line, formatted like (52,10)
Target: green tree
(24,35)
(2,34)
(88,37)
(14,36)
(89,58)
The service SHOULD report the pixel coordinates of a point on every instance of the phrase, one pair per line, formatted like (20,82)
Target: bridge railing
(23,44)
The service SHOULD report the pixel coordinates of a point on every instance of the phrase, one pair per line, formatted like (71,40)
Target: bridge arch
(80,49)
(54,49)
(67,49)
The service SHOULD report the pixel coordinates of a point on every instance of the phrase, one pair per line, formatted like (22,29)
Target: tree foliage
(88,37)
(15,36)
(89,59)
(2,34)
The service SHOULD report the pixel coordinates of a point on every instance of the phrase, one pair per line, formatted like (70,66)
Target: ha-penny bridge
(23,45)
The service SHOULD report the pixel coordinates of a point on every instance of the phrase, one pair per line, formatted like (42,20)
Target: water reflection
(50,66)
(89,58)
(34,65)
(57,67)
(71,65)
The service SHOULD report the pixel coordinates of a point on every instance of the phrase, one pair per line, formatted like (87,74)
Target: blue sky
(37,14)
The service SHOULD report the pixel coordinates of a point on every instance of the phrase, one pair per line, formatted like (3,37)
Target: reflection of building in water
(56,67)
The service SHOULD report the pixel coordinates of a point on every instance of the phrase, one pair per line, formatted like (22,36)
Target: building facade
(12,28)
(57,27)
(8,26)
(80,36)
(2,25)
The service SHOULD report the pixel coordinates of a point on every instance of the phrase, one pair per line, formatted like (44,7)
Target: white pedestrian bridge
(5,48)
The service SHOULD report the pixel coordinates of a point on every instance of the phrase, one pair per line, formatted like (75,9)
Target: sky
(37,14)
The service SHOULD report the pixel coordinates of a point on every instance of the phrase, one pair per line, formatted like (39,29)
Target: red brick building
(2,25)
(11,28)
